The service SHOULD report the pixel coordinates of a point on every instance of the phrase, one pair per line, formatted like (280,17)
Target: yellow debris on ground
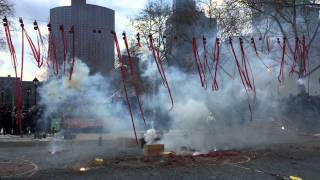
(295,178)
(82,169)
(168,154)
(98,161)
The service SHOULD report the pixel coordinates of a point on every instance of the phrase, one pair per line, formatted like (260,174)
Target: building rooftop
(78,2)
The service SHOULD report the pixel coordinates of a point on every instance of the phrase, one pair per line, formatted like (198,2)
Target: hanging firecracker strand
(198,63)
(281,73)
(72,31)
(216,56)
(64,46)
(41,46)
(133,76)
(123,77)
(160,69)
(304,57)
(295,56)
(205,60)
(245,66)
(52,47)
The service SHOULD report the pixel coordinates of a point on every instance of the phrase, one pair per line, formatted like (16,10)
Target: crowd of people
(8,120)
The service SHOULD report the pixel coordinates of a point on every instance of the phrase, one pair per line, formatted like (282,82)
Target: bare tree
(291,18)
(6,9)
(152,21)
(210,8)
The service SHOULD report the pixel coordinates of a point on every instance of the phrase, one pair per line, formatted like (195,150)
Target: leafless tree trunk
(152,21)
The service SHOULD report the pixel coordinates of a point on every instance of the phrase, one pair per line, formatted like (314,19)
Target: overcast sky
(39,10)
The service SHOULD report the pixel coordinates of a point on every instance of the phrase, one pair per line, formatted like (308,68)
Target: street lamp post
(28,98)
(35,83)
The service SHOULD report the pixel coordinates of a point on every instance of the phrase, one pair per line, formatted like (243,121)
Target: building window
(27,100)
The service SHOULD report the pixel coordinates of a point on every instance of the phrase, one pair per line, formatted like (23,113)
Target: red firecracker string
(254,46)
(49,45)
(40,39)
(123,77)
(205,60)
(134,77)
(304,56)
(198,63)
(242,75)
(161,70)
(268,43)
(20,97)
(52,45)
(295,56)
(245,67)
(14,63)
(216,56)
(35,51)
(73,52)
(64,46)
(281,74)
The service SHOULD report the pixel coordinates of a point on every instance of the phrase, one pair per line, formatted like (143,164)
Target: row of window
(4,96)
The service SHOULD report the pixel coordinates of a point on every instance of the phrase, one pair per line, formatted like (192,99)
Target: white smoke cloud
(85,97)
(205,120)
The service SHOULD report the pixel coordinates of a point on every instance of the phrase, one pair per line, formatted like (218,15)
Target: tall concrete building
(93,40)
(182,5)
(185,23)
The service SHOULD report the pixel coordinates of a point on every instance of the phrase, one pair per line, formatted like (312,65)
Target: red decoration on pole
(123,77)
(268,43)
(198,63)
(295,56)
(134,77)
(14,62)
(39,38)
(35,51)
(281,74)
(14,59)
(52,45)
(205,60)
(73,52)
(254,46)
(64,46)
(304,57)
(244,64)
(160,69)
(216,56)
(242,73)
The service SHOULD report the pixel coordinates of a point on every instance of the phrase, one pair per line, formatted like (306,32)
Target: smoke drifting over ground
(85,97)
(206,120)
(201,119)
